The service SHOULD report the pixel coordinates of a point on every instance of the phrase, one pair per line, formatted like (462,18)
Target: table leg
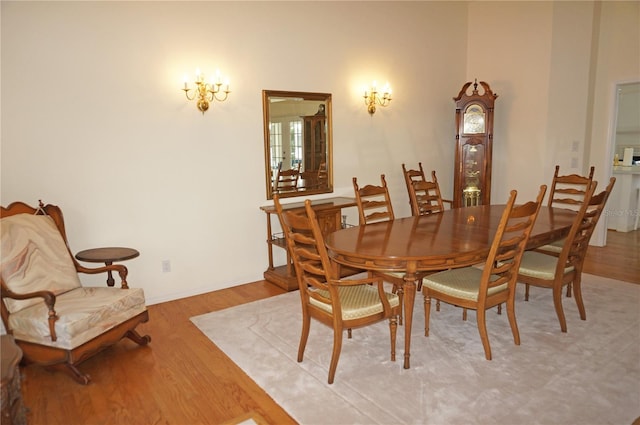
(110,281)
(409,299)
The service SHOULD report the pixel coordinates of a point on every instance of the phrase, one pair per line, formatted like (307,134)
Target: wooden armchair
(56,321)
(338,303)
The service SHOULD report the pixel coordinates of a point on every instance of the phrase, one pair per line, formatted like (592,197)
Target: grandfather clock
(474,138)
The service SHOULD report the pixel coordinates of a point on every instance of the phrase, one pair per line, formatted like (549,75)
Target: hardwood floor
(182,378)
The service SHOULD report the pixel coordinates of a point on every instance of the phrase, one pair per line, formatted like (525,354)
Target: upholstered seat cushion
(539,265)
(356,301)
(34,257)
(84,313)
(555,246)
(460,283)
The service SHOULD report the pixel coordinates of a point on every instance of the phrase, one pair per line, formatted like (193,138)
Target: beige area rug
(590,375)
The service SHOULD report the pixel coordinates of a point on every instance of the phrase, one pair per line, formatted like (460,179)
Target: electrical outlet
(166,266)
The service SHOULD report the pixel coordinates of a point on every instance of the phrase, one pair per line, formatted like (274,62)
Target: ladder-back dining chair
(494,284)
(567,191)
(555,271)
(418,175)
(338,303)
(287,180)
(374,206)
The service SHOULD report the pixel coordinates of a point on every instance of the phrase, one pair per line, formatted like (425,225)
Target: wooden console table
(329,213)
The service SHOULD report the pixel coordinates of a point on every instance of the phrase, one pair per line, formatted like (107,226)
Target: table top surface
(455,238)
(101,255)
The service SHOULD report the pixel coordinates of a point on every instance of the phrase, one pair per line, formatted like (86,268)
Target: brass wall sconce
(205,92)
(372,97)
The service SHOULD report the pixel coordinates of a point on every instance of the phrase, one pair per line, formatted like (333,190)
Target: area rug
(589,375)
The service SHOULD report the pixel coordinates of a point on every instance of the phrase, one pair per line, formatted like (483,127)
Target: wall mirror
(297,143)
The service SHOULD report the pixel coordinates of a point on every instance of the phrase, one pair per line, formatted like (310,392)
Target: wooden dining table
(458,237)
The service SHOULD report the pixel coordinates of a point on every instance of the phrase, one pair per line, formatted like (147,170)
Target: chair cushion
(356,301)
(34,257)
(460,283)
(83,313)
(539,265)
(555,246)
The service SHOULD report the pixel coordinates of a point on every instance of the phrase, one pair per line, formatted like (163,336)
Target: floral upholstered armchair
(57,322)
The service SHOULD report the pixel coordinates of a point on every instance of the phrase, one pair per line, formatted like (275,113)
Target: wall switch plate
(166,266)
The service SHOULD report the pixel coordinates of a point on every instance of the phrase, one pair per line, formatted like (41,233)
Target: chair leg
(427,312)
(482,328)
(335,355)
(499,308)
(526,292)
(437,305)
(134,336)
(393,330)
(399,291)
(569,290)
(511,314)
(557,302)
(306,323)
(349,333)
(464,314)
(71,370)
(577,292)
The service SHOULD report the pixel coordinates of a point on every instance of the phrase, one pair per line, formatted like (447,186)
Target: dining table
(458,237)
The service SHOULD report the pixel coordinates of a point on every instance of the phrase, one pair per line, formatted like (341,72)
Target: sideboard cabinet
(329,213)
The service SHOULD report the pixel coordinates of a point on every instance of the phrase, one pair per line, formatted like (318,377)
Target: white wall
(93,118)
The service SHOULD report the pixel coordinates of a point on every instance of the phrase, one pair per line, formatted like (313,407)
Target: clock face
(474,120)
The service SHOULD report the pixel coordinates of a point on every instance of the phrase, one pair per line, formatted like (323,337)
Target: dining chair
(374,202)
(374,206)
(418,175)
(338,303)
(425,197)
(287,180)
(481,289)
(555,271)
(567,191)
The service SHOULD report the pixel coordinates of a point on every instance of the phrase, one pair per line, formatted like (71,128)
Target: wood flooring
(182,378)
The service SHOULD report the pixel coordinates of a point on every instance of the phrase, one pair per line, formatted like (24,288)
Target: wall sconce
(206,92)
(372,97)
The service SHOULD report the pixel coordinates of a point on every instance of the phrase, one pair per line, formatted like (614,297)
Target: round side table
(107,256)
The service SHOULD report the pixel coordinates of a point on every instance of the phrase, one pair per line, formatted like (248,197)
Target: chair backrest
(374,203)
(35,255)
(305,244)
(411,176)
(577,242)
(568,191)
(509,243)
(425,196)
(287,180)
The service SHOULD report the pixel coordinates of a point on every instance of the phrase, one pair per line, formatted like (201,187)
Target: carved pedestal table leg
(409,298)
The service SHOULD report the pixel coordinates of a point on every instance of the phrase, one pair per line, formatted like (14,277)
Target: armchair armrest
(121,269)
(49,299)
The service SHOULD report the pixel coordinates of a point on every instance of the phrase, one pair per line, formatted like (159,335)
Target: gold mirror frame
(314,158)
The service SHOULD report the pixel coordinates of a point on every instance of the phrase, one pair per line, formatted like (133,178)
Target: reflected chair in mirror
(411,176)
(494,284)
(287,180)
(57,322)
(567,191)
(338,303)
(555,271)
(374,206)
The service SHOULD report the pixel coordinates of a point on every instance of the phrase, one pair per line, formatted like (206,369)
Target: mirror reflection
(297,133)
